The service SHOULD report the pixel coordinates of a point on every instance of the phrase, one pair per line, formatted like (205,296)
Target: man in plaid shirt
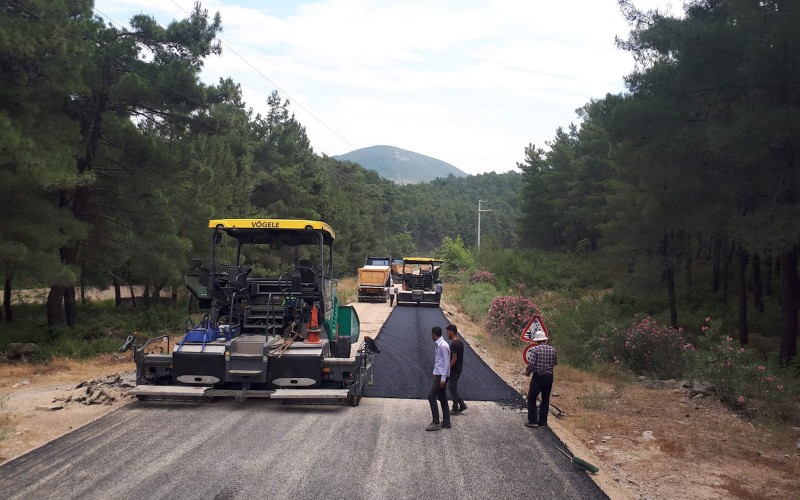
(542,361)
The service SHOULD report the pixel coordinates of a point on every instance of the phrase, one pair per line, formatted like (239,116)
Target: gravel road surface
(404,367)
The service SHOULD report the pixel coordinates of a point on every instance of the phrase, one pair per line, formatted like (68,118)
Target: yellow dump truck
(375,280)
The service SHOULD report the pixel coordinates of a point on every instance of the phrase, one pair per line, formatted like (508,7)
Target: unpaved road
(260,449)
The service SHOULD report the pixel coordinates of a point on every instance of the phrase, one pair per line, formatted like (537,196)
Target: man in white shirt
(441,371)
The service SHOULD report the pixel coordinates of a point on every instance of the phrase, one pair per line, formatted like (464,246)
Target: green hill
(400,165)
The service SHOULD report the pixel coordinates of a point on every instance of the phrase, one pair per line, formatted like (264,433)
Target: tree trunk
(688,261)
(69,257)
(157,290)
(70,307)
(83,288)
(715,263)
(789,293)
(68,296)
(117,293)
(669,272)
(7,300)
(768,281)
(80,197)
(55,309)
(174,296)
(743,331)
(133,295)
(758,293)
(724,270)
(146,295)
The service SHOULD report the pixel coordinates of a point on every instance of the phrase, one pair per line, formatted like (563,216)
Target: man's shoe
(433,426)
(446,425)
(454,410)
(544,426)
(463,408)
(533,426)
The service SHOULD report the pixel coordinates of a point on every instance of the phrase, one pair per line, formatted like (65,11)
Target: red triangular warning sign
(534,325)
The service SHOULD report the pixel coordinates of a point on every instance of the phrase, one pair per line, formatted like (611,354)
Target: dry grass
(6,423)
(55,369)
(671,447)
(597,399)
(347,290)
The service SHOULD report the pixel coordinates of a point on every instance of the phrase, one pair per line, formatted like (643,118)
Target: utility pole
(479,220)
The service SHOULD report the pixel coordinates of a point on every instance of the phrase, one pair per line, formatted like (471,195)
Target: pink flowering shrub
(740,378)
(507,317)
(646,348)
(483,276)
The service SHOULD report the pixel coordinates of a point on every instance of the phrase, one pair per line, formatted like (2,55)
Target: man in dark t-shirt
(456,364)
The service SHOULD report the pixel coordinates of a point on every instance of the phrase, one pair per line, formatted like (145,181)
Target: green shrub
(624,303)
(540,270)
(696,299)
(740,375)
(455,256)
(476,300)
(101,328)
(646,348)
(574,325)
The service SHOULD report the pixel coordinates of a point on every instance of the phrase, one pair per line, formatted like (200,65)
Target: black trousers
(452,382)
(440,394)
(540,384)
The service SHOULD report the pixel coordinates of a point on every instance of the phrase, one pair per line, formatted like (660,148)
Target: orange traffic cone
(313,327)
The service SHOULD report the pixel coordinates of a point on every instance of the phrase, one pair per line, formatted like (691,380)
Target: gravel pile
(106,390)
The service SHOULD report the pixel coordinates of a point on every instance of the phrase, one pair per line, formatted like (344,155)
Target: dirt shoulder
(648,442)
(40,402)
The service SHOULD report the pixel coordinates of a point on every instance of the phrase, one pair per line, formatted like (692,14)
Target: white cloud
(470,82)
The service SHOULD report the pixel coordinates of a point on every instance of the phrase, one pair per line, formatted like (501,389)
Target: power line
(262,75)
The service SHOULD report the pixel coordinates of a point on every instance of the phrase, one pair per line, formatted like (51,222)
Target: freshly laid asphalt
(264,449)
(404,367)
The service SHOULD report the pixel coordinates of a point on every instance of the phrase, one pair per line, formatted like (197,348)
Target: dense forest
(697,165)
(114,155)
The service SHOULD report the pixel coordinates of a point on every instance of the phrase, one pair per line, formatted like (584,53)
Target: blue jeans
(540,384)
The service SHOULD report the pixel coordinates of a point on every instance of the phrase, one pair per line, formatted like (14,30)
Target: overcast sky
(469,82)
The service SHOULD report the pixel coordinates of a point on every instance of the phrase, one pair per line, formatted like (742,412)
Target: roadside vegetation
(103,328)
(620,335)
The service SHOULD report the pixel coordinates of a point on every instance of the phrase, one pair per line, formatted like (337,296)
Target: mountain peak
(400,165)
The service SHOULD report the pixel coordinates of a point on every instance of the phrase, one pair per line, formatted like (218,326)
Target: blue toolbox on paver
(206,332)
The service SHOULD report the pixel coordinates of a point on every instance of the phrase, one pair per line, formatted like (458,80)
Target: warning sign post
(534,325)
